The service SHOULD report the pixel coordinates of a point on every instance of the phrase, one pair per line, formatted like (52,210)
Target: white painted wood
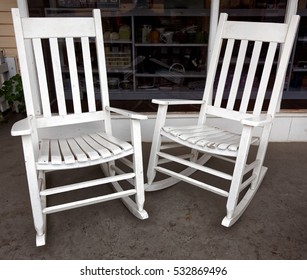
(282,66)
(24,13)
(224,72)
(196,166)
(21,127)
(68,156)
(87,149)
(76,150)
(192,181)
(101,150)
(214,16)
(280,131)
(87,184)
(265,78)
(214,60)
(74,81)
(57,120)
(156,143)
(291,10)
(23,7)
(250,77)
(86,202)
(23,63)
(57,73)
(238,171)
(127,113)
(43,157)
(130,204)
(138,163)
(227,114)
(36,203)
(118,142)
(254,31)
(88,74)
(55,153)
(57,27)
(176,102)
(237,75)
(222,142)
(42,77)
(58,139)
(102,139)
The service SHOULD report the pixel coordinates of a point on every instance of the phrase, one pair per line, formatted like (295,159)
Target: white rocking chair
(80,138)
(241,47)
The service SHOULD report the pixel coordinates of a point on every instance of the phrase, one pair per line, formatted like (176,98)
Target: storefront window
(158,48)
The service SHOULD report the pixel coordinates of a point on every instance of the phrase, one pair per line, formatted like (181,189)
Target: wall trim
(288,126)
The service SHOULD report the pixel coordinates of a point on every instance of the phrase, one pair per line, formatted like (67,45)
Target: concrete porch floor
(184,221)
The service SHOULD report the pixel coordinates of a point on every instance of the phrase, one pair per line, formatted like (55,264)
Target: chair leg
(233,212)
(155,146)
(136,208)
(152,185)
(240,208)
(260,172)
(42,184)
(34,190)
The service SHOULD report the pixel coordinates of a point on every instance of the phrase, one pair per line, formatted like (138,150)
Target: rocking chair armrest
(257,121)
(177,102)
(21,128)
(127,113)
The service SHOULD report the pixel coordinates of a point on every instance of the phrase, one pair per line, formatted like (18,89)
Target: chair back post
(23,62)
(214,60)
(283,64)
(104,90)
(24,13)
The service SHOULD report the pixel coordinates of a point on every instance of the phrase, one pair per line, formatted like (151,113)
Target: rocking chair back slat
(250,76)
(265,78)
(42,77)
(224,71)
(237,75)
(74,81)
(57,73)
(88,74)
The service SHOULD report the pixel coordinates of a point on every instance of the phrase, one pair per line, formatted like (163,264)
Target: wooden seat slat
(43,157)
(66,152)
(104,152)
(87,149)
(55,153)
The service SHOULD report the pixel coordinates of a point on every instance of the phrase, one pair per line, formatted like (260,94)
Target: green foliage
(13,92)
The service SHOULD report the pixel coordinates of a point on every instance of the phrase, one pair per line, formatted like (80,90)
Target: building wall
(7,39)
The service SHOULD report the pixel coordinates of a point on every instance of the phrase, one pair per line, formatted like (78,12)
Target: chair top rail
(58,27)
(255,31)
